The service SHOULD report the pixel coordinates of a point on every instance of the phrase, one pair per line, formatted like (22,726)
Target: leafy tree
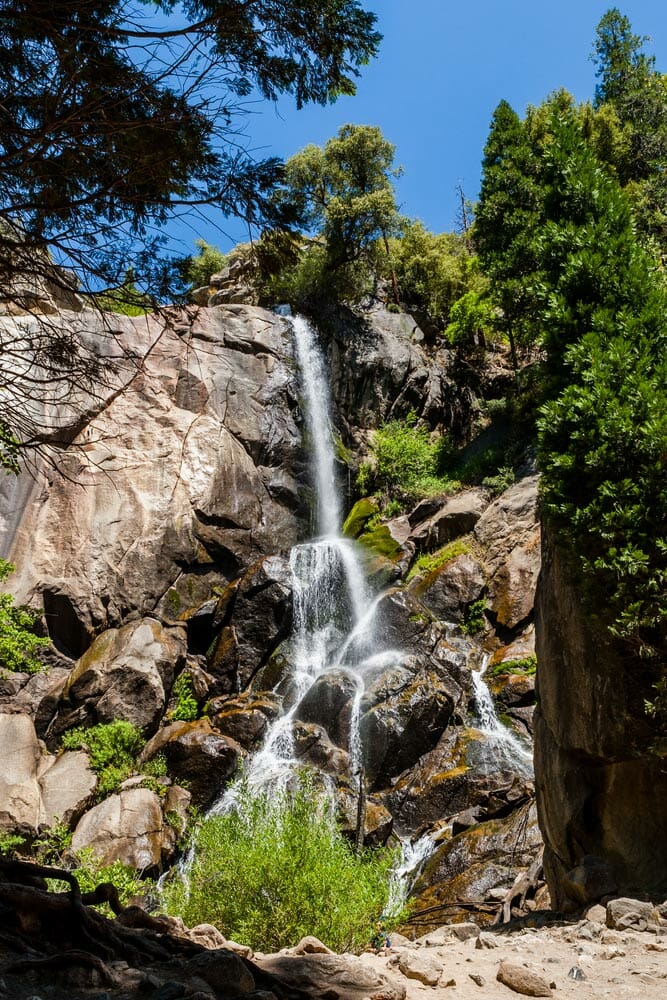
(342,195)
(19,644)
(618,56)
(507,219)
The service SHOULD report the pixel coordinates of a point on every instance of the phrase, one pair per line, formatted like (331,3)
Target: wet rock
(313,746)
(522,980)
(126,674)
(328,703)
(127,827)
(378,821)
(197,755)
(450,589)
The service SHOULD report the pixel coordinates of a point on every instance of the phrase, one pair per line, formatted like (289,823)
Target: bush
(112,748)
(18,643)
(186,708)
(407,461)
(278,870)
(90,872)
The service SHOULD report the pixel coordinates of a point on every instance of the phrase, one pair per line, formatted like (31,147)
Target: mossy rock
(381,541)
(361,513)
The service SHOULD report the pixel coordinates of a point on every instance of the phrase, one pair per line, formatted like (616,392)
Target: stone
(207,936)
(450,589)
(331,977)
(596,914)
(477,979)
(127,674)
(197,755)
(457,516)
(625,913)
(224,970)
(522,980)
(465,931)
(486,940)
(66,788)
(20,764)
(311,946)
(419,966)
(128,826)
(589,881)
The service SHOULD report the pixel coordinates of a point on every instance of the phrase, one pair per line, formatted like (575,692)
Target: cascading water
(505,749)
(334,613)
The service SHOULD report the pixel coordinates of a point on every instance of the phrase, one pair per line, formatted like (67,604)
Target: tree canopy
(114,113)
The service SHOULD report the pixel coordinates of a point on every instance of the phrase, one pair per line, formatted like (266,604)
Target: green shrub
(278,870)
(112,748)
(90,872)
(196,270)
(186,708)
(474,619)
(18,643)
(526,665)
(10,843)
(407,461)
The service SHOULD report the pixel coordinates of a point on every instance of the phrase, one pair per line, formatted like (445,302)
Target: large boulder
(197,755)
(67,788)
(331,977)
(21,762)
(127,674)
(128,827)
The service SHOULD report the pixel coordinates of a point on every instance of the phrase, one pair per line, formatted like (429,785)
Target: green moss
(358,517)
(527,665)
(174,600)
(381,541)
(429,562)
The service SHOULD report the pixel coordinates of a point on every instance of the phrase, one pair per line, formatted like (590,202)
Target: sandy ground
(615,964)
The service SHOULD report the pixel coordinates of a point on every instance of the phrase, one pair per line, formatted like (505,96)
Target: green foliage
(471,320)
(126,299)
(195,271)
(526,665)
(186,708)
(90,872)
(9,449)
(112,748)
(429,562)
(10,843)
(359,516)
(407,461)
(474,619)
(278,870)
(19,645)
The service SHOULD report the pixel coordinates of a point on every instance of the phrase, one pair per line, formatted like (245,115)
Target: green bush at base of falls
(277,870)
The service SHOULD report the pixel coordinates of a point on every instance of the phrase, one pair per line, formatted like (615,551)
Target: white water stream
(504,747)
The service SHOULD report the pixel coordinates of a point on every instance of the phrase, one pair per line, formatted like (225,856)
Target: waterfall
(504,747)
(334,612)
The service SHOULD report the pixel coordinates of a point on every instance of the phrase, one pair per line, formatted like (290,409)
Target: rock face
(128,827)
(183,468)
(596,795)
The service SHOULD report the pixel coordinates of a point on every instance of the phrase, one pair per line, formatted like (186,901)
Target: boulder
(127,674)
(522,980)
(66,788)
(255,615)
(197,755)
(631,914)
(331,977)
(457,516)
(36,695)
(224,971)
(328,703)
(21,763)
(127,827)
(423,968)
(448,590)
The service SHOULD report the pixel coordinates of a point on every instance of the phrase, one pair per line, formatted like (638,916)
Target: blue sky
(442,68)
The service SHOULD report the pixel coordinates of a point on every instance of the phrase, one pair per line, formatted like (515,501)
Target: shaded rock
(416,965)
(589,881)
(378,821)
(457,516)
(450,589)
(255,614)
(332,977)
(197,755)
(66,788)
(313,746)
(36,695)
(522,980)
(326,701)
(127,674)
(127,827)
(224,970)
